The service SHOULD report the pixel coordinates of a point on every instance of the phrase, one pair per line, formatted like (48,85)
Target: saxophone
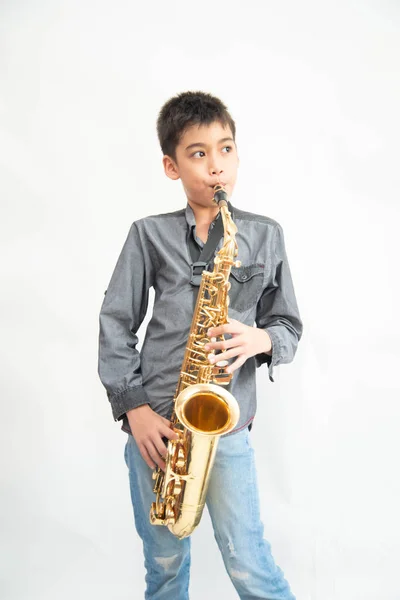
(203,409)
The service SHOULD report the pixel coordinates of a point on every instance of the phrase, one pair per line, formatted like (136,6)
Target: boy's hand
(245,342)
(148,428)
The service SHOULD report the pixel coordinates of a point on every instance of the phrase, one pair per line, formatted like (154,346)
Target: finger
(154,455)
(167,423)
(236,351)
(169,433)
(232,327)
(160,447)
(224,344)
(236,364)
(146,457)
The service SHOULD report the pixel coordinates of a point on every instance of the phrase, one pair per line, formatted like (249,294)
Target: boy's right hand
(148,428)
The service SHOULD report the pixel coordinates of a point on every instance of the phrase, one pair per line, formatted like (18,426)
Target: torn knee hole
(166,562)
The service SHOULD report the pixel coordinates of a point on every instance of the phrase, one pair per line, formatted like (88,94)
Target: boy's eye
(202,152)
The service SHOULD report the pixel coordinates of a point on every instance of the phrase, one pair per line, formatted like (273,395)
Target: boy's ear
(170,167)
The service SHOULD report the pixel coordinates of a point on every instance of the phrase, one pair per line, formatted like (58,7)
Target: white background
(314,90)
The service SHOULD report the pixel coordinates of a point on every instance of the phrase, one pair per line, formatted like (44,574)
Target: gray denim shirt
(156,254)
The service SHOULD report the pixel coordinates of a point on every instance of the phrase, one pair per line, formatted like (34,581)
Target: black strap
(200,260)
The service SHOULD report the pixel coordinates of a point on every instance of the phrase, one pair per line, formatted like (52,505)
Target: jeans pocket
(126,453)
(248,441)
(246,286)
(126,450)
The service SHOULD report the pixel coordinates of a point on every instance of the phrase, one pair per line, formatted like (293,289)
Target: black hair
(186,109)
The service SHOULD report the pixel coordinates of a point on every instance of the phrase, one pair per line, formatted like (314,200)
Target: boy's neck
(204,215)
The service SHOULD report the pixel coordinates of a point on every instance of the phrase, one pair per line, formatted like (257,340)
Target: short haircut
(186,109)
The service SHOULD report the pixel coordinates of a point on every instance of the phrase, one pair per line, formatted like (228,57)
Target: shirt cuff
(126,399)
(271,360)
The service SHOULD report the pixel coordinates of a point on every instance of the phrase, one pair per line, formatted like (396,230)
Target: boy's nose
(216,170)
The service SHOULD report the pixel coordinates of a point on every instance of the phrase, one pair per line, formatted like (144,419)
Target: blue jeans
(233,504)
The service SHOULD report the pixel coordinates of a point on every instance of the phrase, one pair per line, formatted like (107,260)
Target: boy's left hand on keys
(246,341)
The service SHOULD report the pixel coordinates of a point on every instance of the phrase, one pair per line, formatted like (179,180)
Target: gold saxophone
(203,410)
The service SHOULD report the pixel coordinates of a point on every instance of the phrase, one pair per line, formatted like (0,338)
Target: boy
(197,137)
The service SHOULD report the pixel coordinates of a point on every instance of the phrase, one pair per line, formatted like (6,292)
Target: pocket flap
(246,272)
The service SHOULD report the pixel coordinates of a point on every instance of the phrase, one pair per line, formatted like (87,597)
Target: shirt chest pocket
(246,286)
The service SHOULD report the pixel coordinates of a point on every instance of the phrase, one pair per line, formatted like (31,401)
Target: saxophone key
(222,364)
(180,459)
(169,512)
(177,487)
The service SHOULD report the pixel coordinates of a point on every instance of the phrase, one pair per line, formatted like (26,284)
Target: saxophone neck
(226,255)
(230,229)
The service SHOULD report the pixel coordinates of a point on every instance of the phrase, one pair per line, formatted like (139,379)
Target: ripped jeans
(233,504)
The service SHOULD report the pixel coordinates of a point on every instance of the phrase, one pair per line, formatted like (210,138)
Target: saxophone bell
(207,409)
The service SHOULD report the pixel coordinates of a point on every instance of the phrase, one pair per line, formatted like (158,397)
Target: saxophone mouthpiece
(220,195)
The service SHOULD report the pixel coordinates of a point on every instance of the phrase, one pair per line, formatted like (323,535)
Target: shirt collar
(189,214)
(190,218)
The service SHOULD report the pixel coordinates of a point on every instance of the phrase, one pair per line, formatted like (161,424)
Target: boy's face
(205,155)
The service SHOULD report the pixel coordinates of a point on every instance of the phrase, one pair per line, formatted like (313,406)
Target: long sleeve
(277,310)
(123,310)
